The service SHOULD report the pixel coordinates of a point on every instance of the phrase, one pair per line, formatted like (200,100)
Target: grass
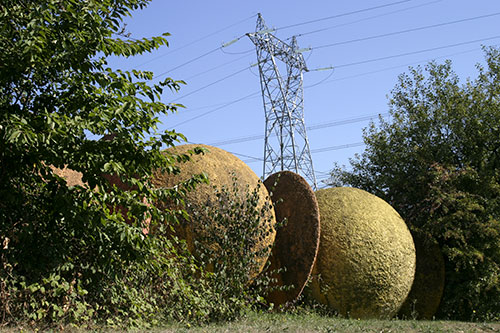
(312,322)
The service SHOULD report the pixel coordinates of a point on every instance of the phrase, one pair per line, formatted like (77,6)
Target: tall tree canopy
(69,252)
(437,161)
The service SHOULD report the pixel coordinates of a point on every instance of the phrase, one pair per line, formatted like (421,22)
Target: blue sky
(337,103)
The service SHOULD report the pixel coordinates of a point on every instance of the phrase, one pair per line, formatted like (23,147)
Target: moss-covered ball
(297,241)
(222,169)
(366,258)
(428,285)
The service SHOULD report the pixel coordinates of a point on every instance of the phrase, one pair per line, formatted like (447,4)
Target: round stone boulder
(366,259)
(224,170)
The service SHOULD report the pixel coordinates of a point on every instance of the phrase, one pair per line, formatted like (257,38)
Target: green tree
(437,161)
(69,253)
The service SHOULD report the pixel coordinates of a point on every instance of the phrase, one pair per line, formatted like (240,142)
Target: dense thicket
(70,254)
(437,162)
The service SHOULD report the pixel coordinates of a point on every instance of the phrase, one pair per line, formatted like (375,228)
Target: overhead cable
(212,83)
(234,153)
(416,52)
(343,14)
(366,18)
(187,62)
(196,40)
(216,109)
(399,66)
(321,125)
(407,30)
(320,150)
(214,68)
(350,145)
(347,65)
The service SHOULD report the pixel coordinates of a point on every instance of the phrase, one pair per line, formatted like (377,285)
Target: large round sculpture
(366,258)
(428,285)
(224,170)
(297,241)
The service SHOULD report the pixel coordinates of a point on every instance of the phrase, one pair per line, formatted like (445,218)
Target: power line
(238,140)
(233,41)
(196,41)
(309,128)
(247,156)
(367,18)
(211,84)
(187,62)
(332,70)
(214,68)
(399,66)
(346,65)
(320,150)
(343,14)
(407,30)
(335,122)
(237,154)
(236,53)
(346,121)
(345,77)
(216,109)
(416,52)
(325,149)
(363,39)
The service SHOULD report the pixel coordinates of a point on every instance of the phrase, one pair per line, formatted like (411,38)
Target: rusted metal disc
(297,242)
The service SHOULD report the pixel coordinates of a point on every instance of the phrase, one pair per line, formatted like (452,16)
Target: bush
(68,255)
(229,244)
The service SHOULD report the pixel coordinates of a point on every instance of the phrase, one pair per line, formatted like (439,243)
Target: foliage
(229,244)
(70,254)
(437,161)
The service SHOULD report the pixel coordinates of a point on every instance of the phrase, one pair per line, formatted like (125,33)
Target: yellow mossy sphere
(366,258)
(222,168)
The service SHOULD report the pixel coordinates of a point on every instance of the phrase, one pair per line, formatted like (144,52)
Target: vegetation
(70,255)
(230,242)
(306,321)
(436,161)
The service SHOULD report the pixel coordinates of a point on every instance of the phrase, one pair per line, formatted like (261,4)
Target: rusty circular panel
(297,242)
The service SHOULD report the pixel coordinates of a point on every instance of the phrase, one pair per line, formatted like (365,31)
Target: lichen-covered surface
(428,285)
(297,242)
(366,258)
(72,177)
(221,168)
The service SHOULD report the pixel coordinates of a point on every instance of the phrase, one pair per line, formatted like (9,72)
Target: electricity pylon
(286,145)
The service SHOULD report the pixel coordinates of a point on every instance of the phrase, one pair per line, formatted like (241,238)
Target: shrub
(229,244)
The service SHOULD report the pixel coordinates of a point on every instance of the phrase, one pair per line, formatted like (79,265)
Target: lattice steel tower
(286,145)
